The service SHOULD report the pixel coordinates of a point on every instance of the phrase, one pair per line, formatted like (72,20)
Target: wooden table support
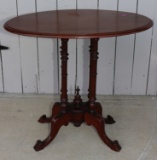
(77,111)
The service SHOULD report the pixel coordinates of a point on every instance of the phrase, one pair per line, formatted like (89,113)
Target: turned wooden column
(64,65)
(93,72)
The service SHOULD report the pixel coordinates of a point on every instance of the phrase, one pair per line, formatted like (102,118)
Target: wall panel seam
(133,60)
(58,59)
(38,67)
(2,71)
(21,73)
(150,54)
(115,56)
(76,74)
(20,65)
(114,68)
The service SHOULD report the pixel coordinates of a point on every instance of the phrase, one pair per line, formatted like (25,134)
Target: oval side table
(73,24)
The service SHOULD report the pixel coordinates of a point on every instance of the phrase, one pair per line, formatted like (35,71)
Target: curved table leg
(56,109)
(98,109)
(56,123)
(98,122)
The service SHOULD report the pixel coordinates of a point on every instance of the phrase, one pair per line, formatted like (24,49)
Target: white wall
(127,65)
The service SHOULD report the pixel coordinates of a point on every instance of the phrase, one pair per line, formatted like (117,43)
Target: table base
(77,111)
(77,115)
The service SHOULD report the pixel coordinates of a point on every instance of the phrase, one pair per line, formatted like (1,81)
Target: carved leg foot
(109,120)
(44,119)
(56,123)
(98,122)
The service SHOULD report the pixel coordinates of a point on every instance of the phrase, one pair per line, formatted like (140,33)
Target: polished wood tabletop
(78,24)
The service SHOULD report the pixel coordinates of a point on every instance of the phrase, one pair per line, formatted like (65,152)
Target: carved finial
(77,99)
(77,90)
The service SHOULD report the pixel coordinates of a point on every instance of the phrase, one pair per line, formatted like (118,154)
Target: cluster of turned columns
(92,74)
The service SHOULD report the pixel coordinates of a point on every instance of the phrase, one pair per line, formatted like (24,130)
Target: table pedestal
(77,111)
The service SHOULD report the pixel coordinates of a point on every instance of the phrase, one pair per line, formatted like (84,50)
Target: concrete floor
(135,129)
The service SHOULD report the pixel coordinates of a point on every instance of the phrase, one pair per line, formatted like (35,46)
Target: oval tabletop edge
(78,24)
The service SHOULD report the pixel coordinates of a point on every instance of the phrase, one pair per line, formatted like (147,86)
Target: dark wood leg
(94,116)
(64,59)
(98,122)
(93,73)
(60,112)
(56,123)
(56,109)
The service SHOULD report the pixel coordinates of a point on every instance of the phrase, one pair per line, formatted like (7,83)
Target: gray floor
(135,129)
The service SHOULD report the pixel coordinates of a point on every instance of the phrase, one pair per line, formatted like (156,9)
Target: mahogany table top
(78,24)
